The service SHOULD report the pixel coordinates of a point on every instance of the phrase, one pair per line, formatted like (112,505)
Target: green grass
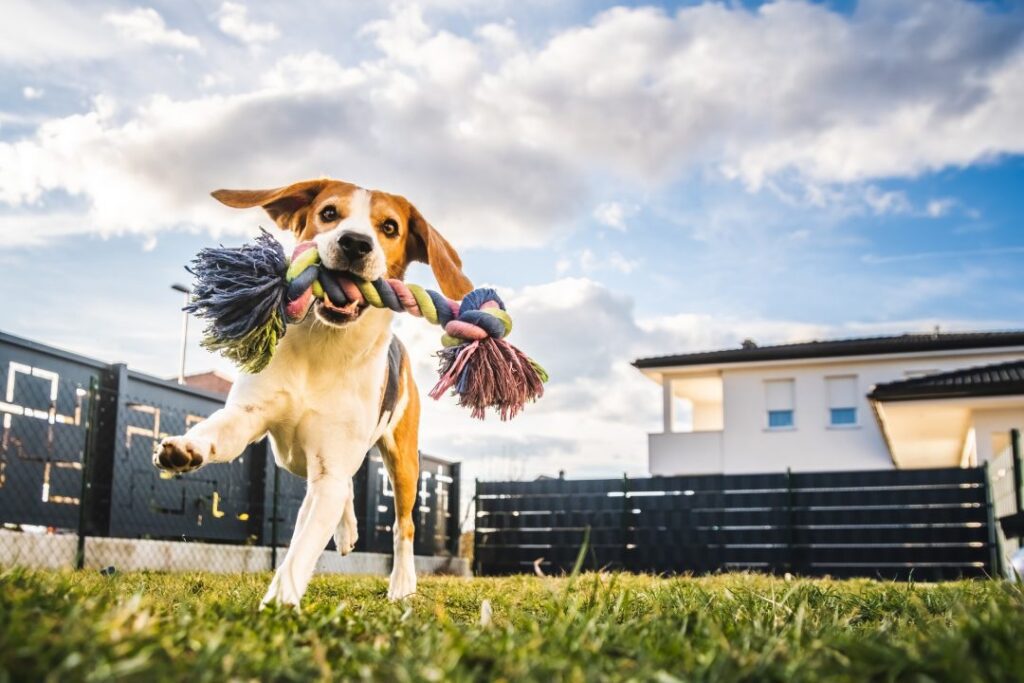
(151,627)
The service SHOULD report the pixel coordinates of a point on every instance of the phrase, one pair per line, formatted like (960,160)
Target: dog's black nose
(354,245)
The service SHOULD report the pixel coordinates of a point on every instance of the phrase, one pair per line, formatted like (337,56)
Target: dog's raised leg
(220,438)
(318,517)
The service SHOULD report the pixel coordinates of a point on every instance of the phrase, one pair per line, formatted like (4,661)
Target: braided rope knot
(250,293)
(481,313)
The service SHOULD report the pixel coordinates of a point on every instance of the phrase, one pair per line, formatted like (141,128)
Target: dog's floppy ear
(425,244)
(286,206)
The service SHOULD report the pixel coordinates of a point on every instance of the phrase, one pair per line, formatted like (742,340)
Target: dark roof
(1001,379)
(866,346)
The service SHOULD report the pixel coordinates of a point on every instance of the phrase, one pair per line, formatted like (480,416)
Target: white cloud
(154,170)
(233,20)
(883,202)
(621,264)
(214,80)
(645,92)
(588,262)
(35,32)
(791,95)
(31,93)
(501,37)
(613,214)
(441,58)
(145,25)
(29,229)
(937,208)
(309,71)
(887,202)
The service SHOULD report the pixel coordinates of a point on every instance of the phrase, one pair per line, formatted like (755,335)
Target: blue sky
(637,178)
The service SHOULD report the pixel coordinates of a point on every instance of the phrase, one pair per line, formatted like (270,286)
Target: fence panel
(923,524)
(543,523)
(43,417)
(78,488)
(221,503)
(436,514)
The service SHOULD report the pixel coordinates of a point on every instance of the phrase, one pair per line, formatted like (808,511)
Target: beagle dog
(338,383)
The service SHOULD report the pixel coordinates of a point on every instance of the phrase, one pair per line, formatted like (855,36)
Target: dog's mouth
(340,302)
(338,315)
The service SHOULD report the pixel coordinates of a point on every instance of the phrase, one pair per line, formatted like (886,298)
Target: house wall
(746,445)
(686,453)
(707,416)
(992,428)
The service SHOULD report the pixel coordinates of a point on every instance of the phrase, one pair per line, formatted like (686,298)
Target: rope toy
(248,295)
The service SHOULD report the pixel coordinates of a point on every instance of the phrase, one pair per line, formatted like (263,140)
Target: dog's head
(368,233)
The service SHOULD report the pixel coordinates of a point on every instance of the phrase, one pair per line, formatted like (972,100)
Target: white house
(914,400)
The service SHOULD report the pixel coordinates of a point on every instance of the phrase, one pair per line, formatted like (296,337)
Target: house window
(779,401)
(842,401)
(842,416)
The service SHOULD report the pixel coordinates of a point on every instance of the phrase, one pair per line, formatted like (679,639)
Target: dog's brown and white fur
(320,397)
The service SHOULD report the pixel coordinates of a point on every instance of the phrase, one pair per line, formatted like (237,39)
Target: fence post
(477,565)
(995,557)
(454,528)
(273,517)
(373,482)
(256,457)
(87,459)
(1018,473)
(104,430)
(791,563)
(626,511)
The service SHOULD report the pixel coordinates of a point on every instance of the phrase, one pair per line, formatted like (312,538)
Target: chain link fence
(78,488)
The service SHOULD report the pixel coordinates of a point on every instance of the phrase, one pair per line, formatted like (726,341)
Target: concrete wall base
(131,554)
(38,551)
(379,564)
(47,551)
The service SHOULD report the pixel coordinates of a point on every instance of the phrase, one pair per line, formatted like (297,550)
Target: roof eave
(1003,342)
(930,393)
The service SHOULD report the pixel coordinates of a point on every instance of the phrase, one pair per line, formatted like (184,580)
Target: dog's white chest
(322,402)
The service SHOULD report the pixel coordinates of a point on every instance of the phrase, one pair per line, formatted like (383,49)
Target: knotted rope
(249,294)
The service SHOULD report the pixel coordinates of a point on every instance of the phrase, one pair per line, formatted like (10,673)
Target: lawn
(150,627)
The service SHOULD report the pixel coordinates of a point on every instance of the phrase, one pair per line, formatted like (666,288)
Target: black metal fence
(78,488)
(896,524)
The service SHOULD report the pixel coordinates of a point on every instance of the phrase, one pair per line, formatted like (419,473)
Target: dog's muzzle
(354,246)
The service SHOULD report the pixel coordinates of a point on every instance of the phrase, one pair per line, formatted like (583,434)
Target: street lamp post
(184,330)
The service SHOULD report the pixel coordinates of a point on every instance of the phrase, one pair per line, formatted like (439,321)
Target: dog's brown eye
(328,214)
(389,228)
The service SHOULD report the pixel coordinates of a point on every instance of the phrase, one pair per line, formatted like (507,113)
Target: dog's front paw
(282,591)
(180,454)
